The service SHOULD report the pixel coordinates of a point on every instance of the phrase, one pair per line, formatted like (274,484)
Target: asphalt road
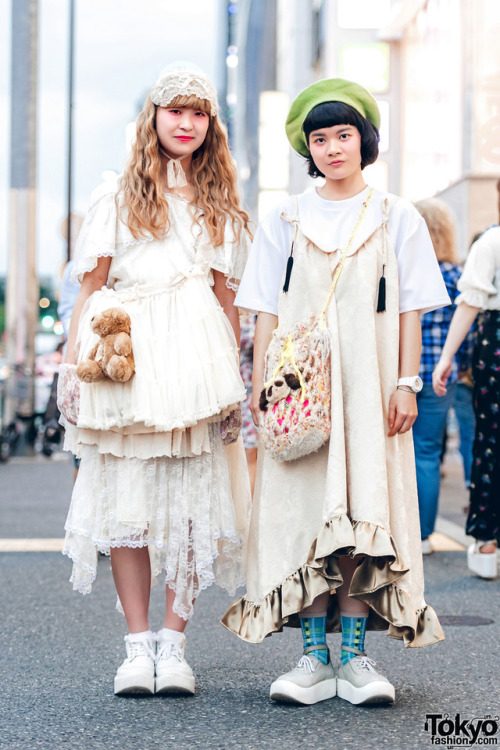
(59,651)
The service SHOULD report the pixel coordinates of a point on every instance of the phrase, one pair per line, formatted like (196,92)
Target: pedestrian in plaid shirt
(430,426)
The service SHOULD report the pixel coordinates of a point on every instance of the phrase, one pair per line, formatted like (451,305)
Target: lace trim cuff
(473,297)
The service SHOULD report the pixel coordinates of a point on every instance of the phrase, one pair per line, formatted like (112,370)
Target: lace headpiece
(183,81)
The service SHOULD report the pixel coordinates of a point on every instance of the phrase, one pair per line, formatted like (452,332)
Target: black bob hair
(337,113)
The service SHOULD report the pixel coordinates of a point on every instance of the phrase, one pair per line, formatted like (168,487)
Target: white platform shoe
(137,673)
(482,564)
(173,673)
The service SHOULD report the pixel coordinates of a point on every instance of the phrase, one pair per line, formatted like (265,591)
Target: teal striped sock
(353,634)
(314,632)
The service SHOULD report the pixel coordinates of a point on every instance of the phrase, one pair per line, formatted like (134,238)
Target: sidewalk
(59,652)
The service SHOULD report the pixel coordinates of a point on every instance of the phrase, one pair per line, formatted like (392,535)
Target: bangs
(190,102)
(328,114)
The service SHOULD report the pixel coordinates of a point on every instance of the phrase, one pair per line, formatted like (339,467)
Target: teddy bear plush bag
(112,357)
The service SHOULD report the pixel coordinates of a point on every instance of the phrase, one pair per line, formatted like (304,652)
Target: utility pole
(70,239)
(22,283)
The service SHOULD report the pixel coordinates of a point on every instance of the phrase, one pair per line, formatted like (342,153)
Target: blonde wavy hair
(441,225)
(213,175)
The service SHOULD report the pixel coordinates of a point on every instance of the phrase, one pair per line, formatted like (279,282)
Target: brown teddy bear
(112,357)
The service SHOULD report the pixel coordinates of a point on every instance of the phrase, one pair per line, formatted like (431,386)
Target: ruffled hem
(219,567)
(140,441)
(374,582)
(142,423)
(186,361)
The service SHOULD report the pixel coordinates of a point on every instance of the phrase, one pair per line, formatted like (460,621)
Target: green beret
(327,90)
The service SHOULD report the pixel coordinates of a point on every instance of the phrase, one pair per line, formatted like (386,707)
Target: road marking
(442,543)
(453,531)
(31,545)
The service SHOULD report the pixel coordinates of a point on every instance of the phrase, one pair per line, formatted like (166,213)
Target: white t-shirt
(480,282)
(329,224)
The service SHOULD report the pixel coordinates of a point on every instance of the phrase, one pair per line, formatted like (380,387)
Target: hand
(402,412)
(254,406)
(440,376)
(68,393)
(230,427)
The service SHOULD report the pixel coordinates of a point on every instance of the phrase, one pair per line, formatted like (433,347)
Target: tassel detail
(381,292)
(289,266)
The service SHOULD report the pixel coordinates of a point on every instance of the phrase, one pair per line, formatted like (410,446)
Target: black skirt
(483,520)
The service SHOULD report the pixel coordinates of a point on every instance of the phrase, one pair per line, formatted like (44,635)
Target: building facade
(432,65)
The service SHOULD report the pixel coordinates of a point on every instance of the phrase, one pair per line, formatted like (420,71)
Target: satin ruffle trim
(144,442)
(374,582)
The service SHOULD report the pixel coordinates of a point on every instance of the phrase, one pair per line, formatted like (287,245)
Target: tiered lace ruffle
(190,512)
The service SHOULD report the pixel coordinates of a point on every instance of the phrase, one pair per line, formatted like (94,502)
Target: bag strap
(345,252)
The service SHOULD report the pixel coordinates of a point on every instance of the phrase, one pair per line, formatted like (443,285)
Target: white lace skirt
(191,513)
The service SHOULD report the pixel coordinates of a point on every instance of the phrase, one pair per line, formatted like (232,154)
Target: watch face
(418,384)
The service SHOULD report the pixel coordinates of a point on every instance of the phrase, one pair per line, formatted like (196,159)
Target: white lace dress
(154,470)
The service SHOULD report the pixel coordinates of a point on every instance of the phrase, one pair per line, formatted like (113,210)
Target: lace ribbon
(176,176)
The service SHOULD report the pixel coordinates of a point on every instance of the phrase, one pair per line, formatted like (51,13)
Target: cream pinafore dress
(357,495)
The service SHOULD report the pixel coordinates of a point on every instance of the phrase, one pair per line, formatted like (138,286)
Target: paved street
(59,651)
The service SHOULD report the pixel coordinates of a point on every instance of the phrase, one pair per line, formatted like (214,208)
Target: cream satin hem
(374,582)
(142,441)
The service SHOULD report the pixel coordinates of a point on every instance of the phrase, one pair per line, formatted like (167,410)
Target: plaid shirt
(435,326)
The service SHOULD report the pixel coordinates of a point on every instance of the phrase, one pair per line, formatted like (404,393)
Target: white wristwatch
(415,383)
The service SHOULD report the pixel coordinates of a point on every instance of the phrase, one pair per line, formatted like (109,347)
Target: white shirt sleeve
(97,237)
(480,282)
(421,285)
(261,283)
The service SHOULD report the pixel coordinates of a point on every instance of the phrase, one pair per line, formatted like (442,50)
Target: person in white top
(479,288)
(163,484)
(334,541)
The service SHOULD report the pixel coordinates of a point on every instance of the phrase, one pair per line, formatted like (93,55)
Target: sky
(120,48)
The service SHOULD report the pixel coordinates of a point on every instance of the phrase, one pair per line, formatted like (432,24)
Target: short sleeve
(421,285)
(98,235)
(476,283)
(68,293)
(260,286)
(230,258)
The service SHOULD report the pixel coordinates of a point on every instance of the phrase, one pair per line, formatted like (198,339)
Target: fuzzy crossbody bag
(296,399)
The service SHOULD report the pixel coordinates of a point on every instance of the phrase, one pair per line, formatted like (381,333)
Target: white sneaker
(309,682)
(427,548)
(482,564)
(137,673)
(359,682)
(173,673)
